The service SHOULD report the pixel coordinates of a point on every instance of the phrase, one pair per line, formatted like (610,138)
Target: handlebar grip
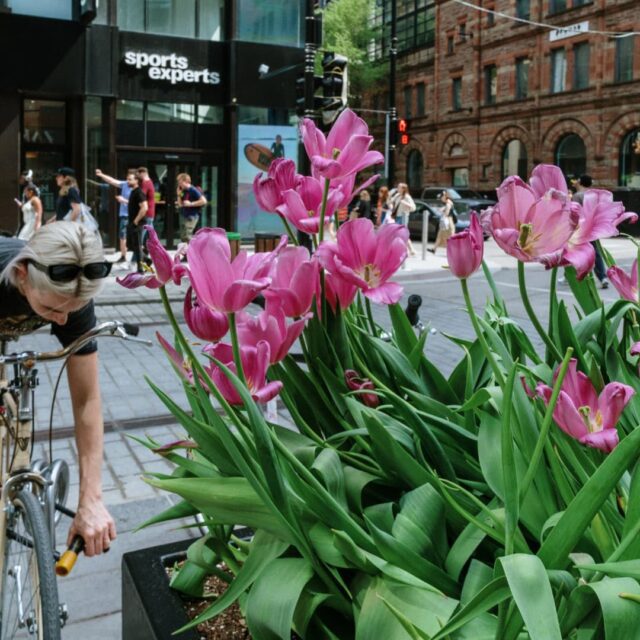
(131,329)
(69,557)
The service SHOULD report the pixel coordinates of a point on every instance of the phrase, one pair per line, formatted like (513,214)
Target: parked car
(433,212)
(432,196)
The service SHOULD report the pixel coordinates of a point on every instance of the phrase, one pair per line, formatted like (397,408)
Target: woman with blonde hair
(383,206)
(69,199)
(446,226)
(52,279)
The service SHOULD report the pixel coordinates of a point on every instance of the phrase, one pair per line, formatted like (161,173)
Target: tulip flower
(302,206)
(205,323)
(339,291)
(635,349)
(356,383)
(349,190)
(366,258)
(344,151)
(292,281)
(465,249)
(177,361)
(270,326)
(548,179)
(585,416)
(255,362)
(626,284)
(280,177)
(225,285)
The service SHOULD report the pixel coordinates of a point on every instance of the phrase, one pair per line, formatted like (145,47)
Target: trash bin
(234,242)
(266,241)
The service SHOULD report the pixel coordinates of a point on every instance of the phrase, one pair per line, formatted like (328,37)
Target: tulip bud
(356,383)
(465,250)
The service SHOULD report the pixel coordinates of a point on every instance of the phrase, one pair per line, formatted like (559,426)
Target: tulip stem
(481,339)
(372,324)
(532,316)
(292,236)
(323,208)
(544,429)
(235,345)
(552,306)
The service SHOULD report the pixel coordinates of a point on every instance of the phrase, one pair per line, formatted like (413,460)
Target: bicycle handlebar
(113,328)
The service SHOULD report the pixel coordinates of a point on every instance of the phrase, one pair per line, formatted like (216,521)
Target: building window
(450,45)
(271,21)
(629,166)
(556,6)
(460,177)
(44,122)
(420,91)
(456,94)
(523,9)
(415,170)
(408,95)
(57,9)
(624,59)
(514,160)
(522,78)
(581,65)
(558,70)
(490,84)
(571,155)
(491,17)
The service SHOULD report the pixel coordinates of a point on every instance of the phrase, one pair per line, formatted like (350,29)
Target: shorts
(122,227)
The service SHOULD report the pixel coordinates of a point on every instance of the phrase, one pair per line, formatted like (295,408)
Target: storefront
(134,91)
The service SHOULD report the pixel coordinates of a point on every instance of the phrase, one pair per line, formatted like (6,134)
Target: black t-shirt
(136,198)
(17,318)
(63,203)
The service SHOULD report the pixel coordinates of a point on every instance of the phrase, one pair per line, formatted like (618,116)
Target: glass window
(415,169)
(624,59)
(408,106)
(271,21)
(523,9)
(44,165)
(555,6)
(210,19)
(131,15)
(44,122)
(102,12)
(629,166)
(460,177)
(450,46)
(456,94)
(558,70)
(172,17)
(129,110)
(490,84)
(581,65)
(522,78)
(491,17)
(59,9)
(208,114)
(514,160)
(169,112)
(420,99)
(130,125)
(571,155)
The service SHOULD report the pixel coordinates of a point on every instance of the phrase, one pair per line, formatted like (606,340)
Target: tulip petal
(613,399)
(388,293)
(605,440)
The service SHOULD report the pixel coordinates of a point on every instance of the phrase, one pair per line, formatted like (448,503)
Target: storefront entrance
(163,170)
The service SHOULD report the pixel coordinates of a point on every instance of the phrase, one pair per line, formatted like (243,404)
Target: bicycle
(33,495)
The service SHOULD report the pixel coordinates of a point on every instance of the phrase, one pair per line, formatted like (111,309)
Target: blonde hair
(183,177)
(67,183)
(59,243)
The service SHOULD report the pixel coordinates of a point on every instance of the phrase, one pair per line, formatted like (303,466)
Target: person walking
(383,206)
(190,201)
(586,182)
(137,210)
(31,212)
(69,199)
(149,190)
(363,208)
(402,205)
(446,225)
(123,208)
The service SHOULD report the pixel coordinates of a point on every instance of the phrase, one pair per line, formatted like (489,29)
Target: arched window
(629,166)
(571,155)
(415,171)
(514,160)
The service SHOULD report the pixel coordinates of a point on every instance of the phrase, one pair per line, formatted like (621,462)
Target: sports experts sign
(170,68)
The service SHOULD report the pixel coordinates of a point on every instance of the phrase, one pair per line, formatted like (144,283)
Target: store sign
(568,32)
(170,68)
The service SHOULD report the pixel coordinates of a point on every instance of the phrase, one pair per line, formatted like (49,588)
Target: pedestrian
(277,148)
(190,201)
(52,279)
(26,178)
(123,208)
(69,199)
(31,212)
(402,206)
(446,225)
(383,205)
(137,210)
(584,183)
(149,190)
(363,207)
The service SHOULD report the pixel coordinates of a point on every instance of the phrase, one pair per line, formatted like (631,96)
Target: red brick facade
(474,137)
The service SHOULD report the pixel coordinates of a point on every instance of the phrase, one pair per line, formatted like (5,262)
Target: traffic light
(318,100)
(403,132)
(334,79)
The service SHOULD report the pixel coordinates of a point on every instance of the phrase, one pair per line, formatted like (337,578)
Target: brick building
(485,96)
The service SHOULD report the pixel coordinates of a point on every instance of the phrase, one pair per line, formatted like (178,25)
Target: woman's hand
(94,524)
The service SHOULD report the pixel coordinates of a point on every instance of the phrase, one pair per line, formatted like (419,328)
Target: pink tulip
(270,326)
(349,190)
(585,416)
(280,177)
(366,258)
(255,362)
(626,284)
(292,281)
(344,151)
(303,205)
(466,249)
(529,227)
(635,349)
(177,361)
(548,179)
(225,285)
(205,323)
(356,383)
(339,291)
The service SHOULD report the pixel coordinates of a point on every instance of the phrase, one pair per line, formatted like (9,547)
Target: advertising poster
(258,145)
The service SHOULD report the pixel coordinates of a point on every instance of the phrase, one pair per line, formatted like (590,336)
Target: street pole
(393,113)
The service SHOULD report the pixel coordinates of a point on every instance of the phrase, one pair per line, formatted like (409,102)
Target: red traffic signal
(403,131)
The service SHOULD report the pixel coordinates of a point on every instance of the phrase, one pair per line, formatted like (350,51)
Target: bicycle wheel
(29,589)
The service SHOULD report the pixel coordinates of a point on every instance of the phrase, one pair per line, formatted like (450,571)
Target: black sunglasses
(69,272)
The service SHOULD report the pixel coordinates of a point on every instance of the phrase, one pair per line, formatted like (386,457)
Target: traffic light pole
(393,113)
(310,47)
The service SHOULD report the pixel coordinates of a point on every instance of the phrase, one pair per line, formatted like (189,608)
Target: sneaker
(604,283)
